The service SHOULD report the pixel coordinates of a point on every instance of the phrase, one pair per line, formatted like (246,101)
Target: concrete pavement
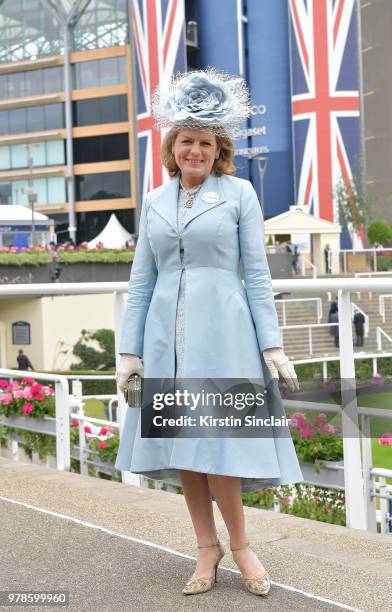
(117,547)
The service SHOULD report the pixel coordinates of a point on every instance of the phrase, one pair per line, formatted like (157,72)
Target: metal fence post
(370,500)
(63,444)
(355,501)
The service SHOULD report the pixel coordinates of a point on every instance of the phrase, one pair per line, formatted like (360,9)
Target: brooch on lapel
(210,197)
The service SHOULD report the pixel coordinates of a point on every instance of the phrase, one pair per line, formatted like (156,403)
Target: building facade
(76,79)
(67,138)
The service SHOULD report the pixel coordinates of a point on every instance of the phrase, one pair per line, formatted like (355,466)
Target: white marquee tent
(113,236)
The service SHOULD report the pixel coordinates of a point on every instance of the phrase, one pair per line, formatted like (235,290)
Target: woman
(189,316)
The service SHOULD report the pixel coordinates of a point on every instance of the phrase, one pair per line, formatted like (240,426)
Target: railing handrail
(318,300)
(279,285)
(381,332)
(307,260)
(307,325)
(381,304)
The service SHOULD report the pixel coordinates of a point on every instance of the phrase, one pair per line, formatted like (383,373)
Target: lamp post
(31,196)
(262,161)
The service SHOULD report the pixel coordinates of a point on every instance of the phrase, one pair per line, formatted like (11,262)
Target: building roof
(15,213)
(297,221)
(113,236)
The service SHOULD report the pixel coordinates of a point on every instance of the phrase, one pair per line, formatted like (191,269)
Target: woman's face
(195,152)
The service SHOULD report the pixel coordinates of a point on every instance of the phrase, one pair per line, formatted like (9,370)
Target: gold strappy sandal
(201,585)
(259,585)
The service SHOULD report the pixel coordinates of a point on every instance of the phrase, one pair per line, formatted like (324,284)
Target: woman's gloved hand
(129,364)
(278,363)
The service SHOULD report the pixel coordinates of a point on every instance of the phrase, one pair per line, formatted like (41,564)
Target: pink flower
(321,417)
(18,393)
(6,398)
(36,392)
(87,429)
(102,445)
(385,440)
(285,501)
(327,427)
(27,381)
(27,393)
(3,383)
(307,432)
(104,431)
(74,423)
(27,408)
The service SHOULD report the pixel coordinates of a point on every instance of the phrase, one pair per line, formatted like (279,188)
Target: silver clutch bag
(134,390)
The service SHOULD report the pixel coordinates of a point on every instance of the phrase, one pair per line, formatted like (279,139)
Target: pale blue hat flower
(203,99)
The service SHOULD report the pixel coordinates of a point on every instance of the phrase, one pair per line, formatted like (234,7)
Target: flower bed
(26,403)
(315,439)
(13,256)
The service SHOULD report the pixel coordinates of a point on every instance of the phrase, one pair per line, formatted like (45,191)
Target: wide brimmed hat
(202,99)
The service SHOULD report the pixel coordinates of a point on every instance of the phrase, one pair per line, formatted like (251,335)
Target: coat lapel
(209,196)
(165,202)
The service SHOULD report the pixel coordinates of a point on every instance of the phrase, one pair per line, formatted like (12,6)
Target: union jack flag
(158,30)
(325,100)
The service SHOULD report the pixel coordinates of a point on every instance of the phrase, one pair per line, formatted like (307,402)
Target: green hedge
(108,256)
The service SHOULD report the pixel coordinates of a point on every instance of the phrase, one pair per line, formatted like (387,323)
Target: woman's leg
(198,499)
(227,492)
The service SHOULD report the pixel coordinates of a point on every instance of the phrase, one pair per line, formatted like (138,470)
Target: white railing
(309,327)
(381,304)
(304,260)
(372,254)
(326,359)
(316,300)
(58,426)
(360,507)
(379,334)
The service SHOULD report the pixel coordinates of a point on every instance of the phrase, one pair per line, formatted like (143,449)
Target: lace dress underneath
(182,212)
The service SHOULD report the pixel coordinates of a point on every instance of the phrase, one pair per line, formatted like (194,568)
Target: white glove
(129,364)
(278,362)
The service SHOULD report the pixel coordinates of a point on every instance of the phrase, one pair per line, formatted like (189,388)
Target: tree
(90,357)
(379,232)
(353,204)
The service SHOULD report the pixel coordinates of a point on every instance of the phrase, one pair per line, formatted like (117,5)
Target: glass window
(108,71)
(18,122)
(53,79)
(4,127)
(108,109)
(33,83)
(35,118)
(101,148)
(56,190)
(87,74)
(28,29)
(18,194)
(54,116)
(55,152)
(103,186)
(18,156)
(5,161)
(103,23)
(40,188)
(122,69)
(15,85)
(5,193)
(3,86)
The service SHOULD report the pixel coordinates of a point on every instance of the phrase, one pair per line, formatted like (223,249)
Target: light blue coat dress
(226,326)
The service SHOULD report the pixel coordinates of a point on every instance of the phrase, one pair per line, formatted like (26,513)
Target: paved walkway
(116,547)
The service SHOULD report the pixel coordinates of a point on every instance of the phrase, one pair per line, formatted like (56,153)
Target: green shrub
(379,232)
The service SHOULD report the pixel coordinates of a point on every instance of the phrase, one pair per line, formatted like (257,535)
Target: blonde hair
(223,165)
